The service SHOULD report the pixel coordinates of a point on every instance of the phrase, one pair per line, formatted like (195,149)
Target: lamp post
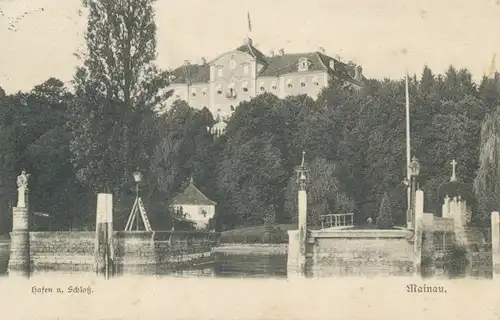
(137,178)
(302,174)
(414,172)
(302,180)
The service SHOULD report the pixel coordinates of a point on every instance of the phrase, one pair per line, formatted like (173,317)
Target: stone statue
(22,187)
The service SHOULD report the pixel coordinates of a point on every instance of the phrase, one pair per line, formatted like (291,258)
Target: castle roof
(254,52)
(191,73)
(274,66)
(192,196)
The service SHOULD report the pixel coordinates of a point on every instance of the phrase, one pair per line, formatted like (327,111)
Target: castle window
(246,69)
(273,85)
(244,87)
(316,81)
(262,87)
(204,91)
(302,82)
(232,64)
(193,93)
(219,89)
(289,83)
(219,72)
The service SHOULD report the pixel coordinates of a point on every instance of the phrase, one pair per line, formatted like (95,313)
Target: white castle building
(241,74)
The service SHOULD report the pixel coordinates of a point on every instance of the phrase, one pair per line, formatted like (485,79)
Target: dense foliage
(354,143)
(76,144)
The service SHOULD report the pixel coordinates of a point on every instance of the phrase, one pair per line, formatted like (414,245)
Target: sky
(385,37)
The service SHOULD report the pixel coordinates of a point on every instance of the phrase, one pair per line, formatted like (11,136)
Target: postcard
(249,159)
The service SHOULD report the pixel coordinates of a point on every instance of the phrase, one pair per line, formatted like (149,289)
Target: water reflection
(222,265)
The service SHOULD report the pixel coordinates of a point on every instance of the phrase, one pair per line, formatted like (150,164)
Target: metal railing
(337,220)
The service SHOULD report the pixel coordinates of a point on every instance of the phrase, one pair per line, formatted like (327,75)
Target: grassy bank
(254,234)
(252,249)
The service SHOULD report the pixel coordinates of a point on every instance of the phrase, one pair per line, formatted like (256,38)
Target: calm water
(225,265)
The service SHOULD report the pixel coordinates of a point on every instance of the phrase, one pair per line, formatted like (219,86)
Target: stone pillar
(417,239)
(104,249)
(302,231)
(419,205)
(292,266)
(20,261)
(495,243)
(445,213)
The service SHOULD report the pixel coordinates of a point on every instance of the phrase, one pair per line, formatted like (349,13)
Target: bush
(427,266)
(274,234)
(455,262)
(257,234)
(384,218)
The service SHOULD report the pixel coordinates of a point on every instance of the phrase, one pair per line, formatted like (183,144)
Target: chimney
(282,51)
(203,61)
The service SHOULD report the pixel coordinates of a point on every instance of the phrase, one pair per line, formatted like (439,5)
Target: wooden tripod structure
(138,209)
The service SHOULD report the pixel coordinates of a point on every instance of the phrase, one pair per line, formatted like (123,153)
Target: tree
(184,150)
(117,90)
(325,195)
(251,177)
(487,182)
(384,217)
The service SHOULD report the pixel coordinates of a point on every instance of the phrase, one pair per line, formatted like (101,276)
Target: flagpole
(249,25)
(408,151)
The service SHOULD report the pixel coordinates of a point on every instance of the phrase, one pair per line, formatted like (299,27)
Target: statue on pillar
(22,189)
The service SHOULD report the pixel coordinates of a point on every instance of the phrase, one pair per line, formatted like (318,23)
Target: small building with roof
(195,206)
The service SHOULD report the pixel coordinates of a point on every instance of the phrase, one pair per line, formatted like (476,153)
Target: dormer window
(332,64)
(304,64)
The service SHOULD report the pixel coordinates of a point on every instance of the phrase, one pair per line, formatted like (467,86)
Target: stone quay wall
(161,252)
(134,252)
(62,251)
(334,253)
